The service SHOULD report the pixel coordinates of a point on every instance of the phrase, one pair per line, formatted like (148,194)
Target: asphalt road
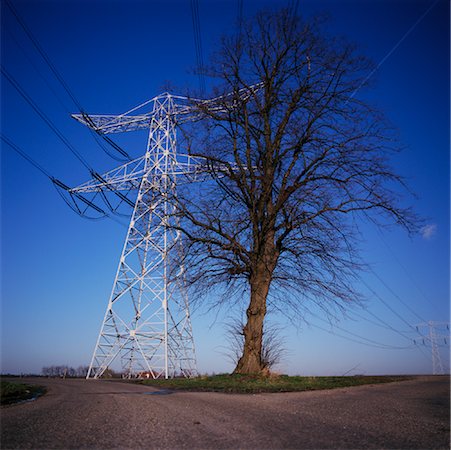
(104,414)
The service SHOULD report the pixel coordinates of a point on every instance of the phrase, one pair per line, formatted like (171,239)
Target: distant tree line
(70,372)
(65,371)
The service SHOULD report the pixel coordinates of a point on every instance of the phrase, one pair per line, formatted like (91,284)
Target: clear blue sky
(57,269)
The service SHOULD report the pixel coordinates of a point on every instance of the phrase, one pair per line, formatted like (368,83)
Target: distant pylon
(434,337)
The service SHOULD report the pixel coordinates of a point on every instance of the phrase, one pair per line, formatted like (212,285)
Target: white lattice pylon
(434,333)
(147,325)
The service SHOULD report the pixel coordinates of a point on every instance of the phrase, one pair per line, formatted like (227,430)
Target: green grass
(17,392)
(256,384)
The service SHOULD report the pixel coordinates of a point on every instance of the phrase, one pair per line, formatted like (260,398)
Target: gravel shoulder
(109,415)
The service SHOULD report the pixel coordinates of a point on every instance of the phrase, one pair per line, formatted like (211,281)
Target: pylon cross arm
(128,176)
(125,177)
(183,110)
(107,124)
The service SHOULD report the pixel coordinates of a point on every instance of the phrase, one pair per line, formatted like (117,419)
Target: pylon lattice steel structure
(147,324)
(434,337)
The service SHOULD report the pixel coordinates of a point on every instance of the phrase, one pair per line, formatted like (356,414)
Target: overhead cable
(381,323)
(44,79)
(43,54)
(43,116)
(61,186)
(25,156)
(106,138)
(388,306)
(396,295)
(62,81)
(362,338)
(368,342)
(240,12)
(393,49)
(412,278)
(198,44)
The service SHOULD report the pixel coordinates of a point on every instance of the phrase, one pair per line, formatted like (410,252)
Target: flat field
(96,414)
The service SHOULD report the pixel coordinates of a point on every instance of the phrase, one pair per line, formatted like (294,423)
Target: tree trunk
(251,360)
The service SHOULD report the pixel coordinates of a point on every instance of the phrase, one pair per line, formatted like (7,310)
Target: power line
(362,338)
(43,116)
(380,278)
(94,134)
(43,54)
(44,79)
(369,343)
(388,305)
(396,295)
(63,83)
(113,144)
(59,185)
(25,156)
(361,342)
(393,49)
(387,326)
(293,6)
(381,323)
(240,13)
(412,279)
(198,44)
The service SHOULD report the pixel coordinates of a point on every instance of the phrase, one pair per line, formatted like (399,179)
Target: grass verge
(256,384)
(18,392)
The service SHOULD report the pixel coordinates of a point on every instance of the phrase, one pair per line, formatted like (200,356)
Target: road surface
(115,415)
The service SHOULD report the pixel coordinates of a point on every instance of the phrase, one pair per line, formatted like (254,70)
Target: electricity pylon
(434,337)
(147,324)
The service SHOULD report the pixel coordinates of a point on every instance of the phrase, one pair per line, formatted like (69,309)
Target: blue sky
(57,269)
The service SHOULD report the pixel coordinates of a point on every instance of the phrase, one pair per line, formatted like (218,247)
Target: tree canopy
(294,153)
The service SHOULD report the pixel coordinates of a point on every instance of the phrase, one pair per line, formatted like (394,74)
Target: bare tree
(294,155)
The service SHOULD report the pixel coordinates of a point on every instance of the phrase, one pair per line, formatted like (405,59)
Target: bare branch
(292,162)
